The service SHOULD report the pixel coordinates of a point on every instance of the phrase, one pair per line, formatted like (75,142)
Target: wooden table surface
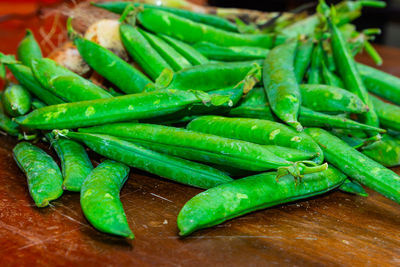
(333,229)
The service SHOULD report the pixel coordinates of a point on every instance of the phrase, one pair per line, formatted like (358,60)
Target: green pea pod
(330,78)
(353,187)
(142,51)
(169,167)
(25,77)
(210,77)
(64,83)
(349,73)
(262,112)
(380,83)
(100,198)
(385,151)
(280,84)
(202,147)
(389,114)
(312,118)
(36,103)
(193,32)
(314,74)
(43,175)
(232,53)
(257,131)
(109,65)
(173,58)
(75,163)
(356,165)
(326,98)
(303,58)
(257,192)
(28,49)
(6,124)
(16,100)
(191,54)
(100,111)
(212,20)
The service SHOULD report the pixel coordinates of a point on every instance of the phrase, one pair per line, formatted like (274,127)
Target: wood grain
(331,230)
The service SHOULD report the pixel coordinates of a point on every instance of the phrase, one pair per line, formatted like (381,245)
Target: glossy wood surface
(330,230)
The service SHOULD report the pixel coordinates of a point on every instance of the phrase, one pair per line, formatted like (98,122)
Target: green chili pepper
(257,192)
(193,32)
(191,54)
(43,175)
(303,58)
(75,163)
(100,198)
(381,83)
(64,83)
(16,100)
(280,84)
(28,49)
(109,65)
(169,167)
(356,165)
(232,53)
(100,111)
(174,59)
(389,114)
(202,147)
(353,187)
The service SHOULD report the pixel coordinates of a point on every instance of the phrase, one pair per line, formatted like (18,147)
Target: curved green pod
(325,98)
(212,76)
(6,124)
(28,49)
(101,111)
(16,100)
(357,165)
(25,77)
(380,83)
(169,167)
(75,163)
(43,175)
(191,54)
(100,198)
(231,53)
(389,114)
(109,65)
(173,58)
(280,84)
(353,187)
(200,146)
(303,58)
(142,51)
(257,131)
(385,151)
(193,32)
(64,83)
(249,194)
(314,73)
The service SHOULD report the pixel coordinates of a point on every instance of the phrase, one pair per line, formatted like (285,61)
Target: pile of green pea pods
(208,105)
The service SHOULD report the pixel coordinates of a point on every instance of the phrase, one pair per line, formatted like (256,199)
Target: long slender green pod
(303,58)
(330,78)
(191,54)
(193,32)
(16,100)
(357,165)
(100,198)
(324,98)
(249,194)
(314,73)
(109,65)
(28,49)
(64,83)
(280,84)
(389,114)
(200,146)
(380,83)
(101,111)
(385,151)
(75,163)
(25,77)
(256,131)
(212,20)
(169,167)
(353,187)
(231,53)
(173,58)
(142,51)
(43,175)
